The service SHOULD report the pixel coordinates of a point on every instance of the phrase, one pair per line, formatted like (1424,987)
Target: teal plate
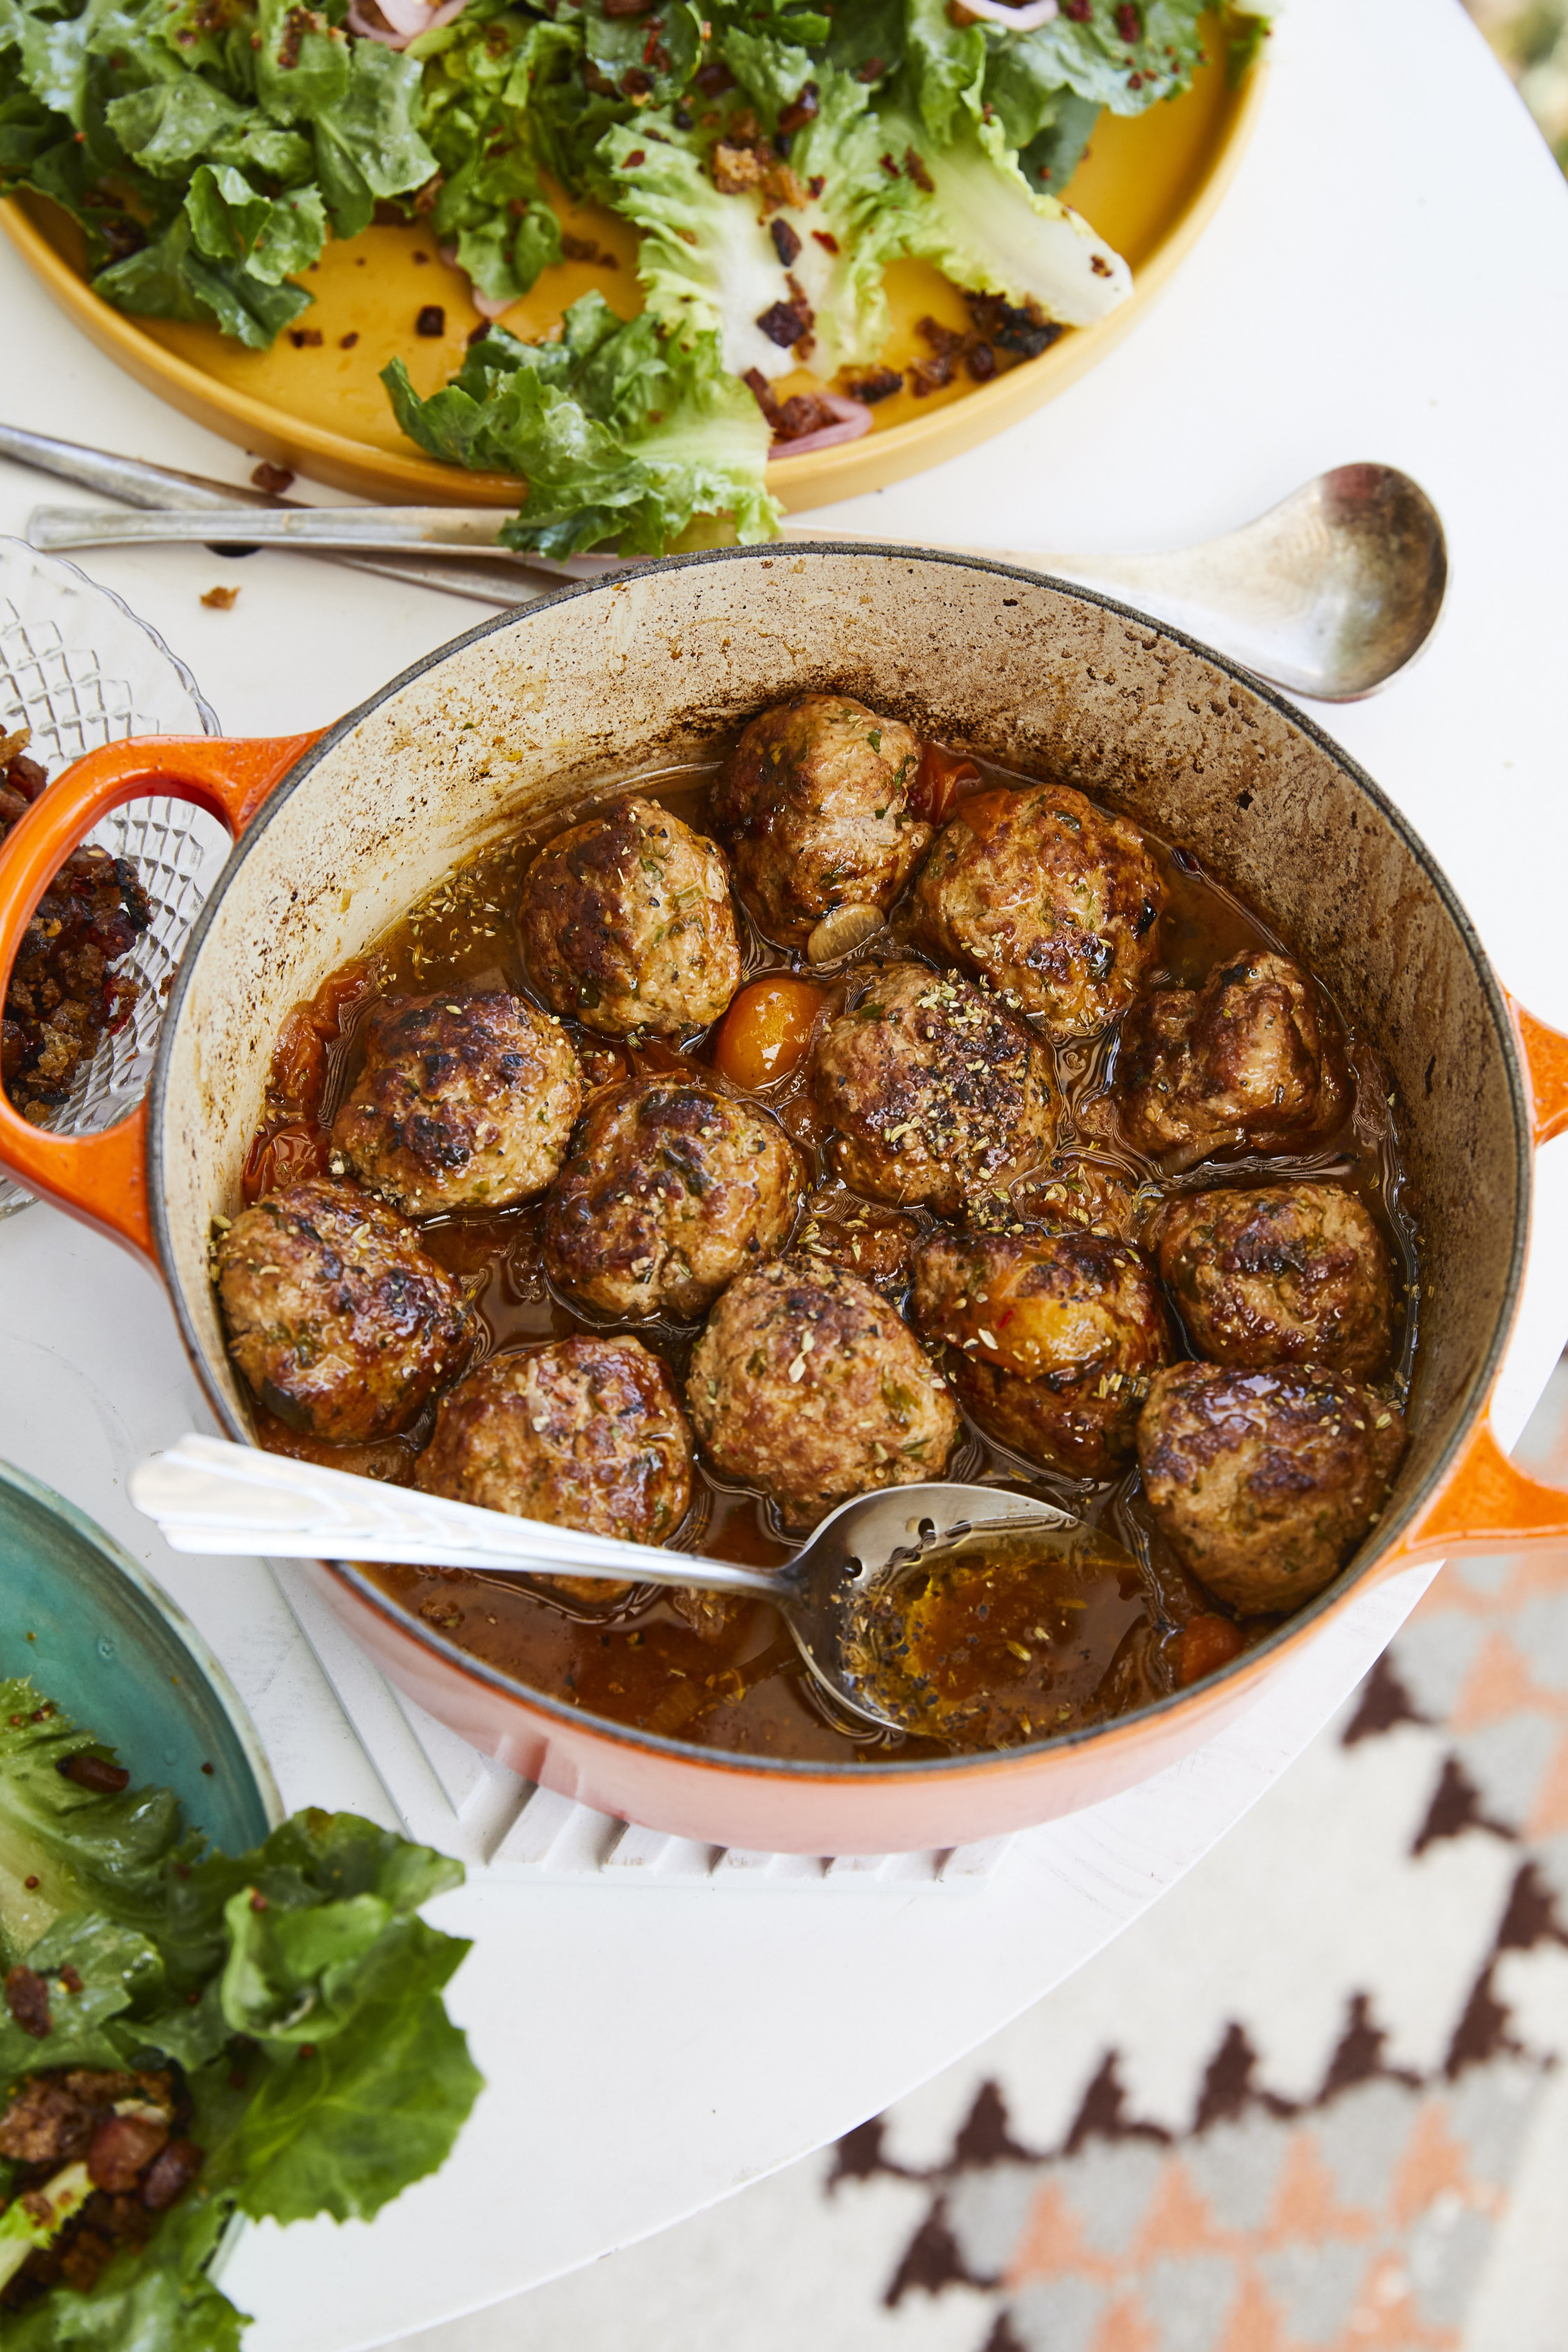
(96,1634)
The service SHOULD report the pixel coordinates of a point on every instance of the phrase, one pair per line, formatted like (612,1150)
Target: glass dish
(79,669)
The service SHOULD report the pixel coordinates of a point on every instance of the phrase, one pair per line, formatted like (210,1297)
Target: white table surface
(1388,280)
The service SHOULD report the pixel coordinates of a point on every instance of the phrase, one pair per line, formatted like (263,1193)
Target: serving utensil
(1329,594)
(210,1497)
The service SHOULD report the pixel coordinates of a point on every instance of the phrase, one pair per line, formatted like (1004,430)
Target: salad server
(210,1497)
(1329,594)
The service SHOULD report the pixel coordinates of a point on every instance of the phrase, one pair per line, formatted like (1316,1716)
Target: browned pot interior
(585,690)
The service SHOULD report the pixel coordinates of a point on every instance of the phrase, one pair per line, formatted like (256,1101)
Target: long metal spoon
(210,1497)
(1329,594)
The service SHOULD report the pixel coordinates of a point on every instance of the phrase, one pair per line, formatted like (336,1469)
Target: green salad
(775,157)
(187,2035)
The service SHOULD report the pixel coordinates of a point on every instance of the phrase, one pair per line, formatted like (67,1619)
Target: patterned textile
(1285,2111)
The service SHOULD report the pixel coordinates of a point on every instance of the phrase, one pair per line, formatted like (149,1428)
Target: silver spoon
(210,1497)
(1329,594)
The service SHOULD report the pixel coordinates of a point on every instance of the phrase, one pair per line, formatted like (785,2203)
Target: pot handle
(1486,1503)
(101,1179)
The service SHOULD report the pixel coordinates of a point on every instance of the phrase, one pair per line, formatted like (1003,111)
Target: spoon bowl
(840,1595)
(1329,594)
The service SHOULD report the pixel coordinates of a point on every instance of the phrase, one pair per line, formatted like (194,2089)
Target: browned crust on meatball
(1056,902)
(340,1323)
(807,1384)
(672,1189)
(625,923)
(1265,1482)
(463,1103)
(813,807)
(878,1245)
(1052,1338)
(586,1433)
(937,1091)
(1284,1273)
(1244,1062)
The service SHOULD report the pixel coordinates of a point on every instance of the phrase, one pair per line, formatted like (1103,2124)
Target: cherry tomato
(283,1156)
(298,1063)
(983,812)
(937,781)
(766,1032)
(1206,1643)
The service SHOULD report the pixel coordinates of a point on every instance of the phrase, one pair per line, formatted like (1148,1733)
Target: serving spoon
(208,1495)
(1329,594)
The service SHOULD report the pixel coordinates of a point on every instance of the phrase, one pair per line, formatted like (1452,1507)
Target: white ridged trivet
(449,1796)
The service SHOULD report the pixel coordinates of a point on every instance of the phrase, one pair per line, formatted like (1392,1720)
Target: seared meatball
(671,1190)
(463,1103)
(587,1432)
(625,923)
(1054,899)
(337,1318)
(807,1384)
(1053,1337)
(813,805)
(1070,1190)
(937,1091)
(878,1245)
(1243,1063)
(1288,1274)
(1265,1482)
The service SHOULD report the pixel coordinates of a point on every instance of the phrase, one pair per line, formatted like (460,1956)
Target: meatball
(878,1245)
(1054,899)
(671,1190)
(587,1432)
(1053,1337)
(1067,1191)
(807,1384)
(1242,1063)
(625,923)
(936,1090)
(463,1103)
(340,1323)
(813,805)
(1265,1482)
(1287,1274)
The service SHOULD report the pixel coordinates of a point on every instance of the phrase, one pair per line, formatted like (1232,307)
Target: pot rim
(798,1769)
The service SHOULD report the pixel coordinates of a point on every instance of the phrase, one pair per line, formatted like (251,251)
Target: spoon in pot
(841,1595)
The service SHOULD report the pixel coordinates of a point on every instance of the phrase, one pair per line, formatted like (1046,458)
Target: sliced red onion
(1017,20)
(488,306)
(853,419)
(395,23)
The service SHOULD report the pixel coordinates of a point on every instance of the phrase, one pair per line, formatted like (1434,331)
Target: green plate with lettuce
(188,2035)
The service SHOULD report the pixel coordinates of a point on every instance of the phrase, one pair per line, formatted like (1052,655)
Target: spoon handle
(210,1497)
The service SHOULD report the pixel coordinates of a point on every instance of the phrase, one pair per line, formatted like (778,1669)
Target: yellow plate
(1149,184)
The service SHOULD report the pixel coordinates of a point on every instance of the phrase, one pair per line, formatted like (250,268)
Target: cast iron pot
(339,833)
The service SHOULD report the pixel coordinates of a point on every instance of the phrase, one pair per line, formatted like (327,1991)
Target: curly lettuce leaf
(478,90)
(92,1850)
(983,224)
(156,2300)
(266,237)
(172,279)
(118,1972)
(847,233)
(623,430)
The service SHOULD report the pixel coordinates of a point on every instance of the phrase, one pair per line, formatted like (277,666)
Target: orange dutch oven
(337,833)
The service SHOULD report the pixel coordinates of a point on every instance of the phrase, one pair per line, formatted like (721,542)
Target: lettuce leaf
(295,1985)
(92,1849)
(624,430)
(983,224)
